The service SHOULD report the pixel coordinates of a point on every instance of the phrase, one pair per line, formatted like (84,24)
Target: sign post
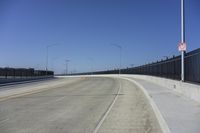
(182,45)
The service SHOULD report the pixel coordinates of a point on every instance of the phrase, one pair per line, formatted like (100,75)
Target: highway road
(77,105)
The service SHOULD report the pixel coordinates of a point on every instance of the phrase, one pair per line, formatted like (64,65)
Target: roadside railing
(22,74)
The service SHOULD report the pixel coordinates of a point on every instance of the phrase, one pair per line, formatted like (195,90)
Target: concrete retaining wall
(189,90)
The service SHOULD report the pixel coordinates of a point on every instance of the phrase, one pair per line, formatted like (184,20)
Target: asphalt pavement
(77,105)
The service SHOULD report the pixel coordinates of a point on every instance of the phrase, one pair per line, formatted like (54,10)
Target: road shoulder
(180,113)
(131,112)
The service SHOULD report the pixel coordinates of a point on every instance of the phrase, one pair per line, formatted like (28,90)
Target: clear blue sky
(146,29)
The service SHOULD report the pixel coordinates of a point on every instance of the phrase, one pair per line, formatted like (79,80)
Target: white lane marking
(108,110)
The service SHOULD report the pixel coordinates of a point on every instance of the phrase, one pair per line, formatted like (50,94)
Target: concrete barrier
(189,90)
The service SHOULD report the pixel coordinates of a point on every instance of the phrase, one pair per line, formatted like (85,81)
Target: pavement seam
(163,125)
(107,111)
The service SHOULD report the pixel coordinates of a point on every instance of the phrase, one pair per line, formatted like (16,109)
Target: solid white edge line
(161,120)
(108,110)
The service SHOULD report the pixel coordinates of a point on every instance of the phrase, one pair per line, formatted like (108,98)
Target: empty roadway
(86,105)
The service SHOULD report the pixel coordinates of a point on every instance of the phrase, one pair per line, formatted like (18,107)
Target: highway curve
(89,105)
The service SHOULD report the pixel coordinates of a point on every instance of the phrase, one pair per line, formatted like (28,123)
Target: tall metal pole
(182,37)
(67,66)
(92,65)
(120,58)
(52,62)
(47,55)
(47,58)
(120,65)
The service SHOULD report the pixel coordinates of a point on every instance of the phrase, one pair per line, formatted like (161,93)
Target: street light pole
(92,64)
(67,61)
(47,55)
(182,37)
(53,62)
(120,58)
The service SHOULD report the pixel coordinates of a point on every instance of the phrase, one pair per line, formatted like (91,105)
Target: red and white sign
(182,47)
